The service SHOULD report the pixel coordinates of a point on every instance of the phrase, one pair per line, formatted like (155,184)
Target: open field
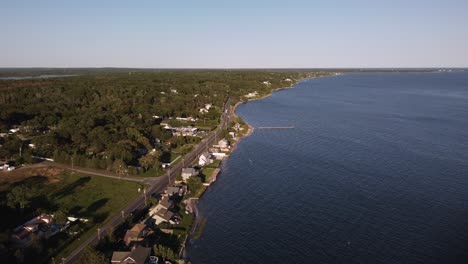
(51,190)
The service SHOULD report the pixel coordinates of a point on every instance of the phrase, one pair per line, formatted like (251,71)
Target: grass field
(94,198)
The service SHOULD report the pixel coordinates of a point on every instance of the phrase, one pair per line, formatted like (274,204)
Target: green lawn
(91,197)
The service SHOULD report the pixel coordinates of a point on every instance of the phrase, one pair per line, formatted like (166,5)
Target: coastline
(197,219)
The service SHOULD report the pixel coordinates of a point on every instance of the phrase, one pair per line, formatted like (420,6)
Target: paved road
(157,185)
(93,172)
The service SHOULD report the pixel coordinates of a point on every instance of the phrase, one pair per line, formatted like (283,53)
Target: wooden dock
(276,127)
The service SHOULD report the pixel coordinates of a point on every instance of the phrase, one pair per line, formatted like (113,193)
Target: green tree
(19,197)
(91,255)
(61,216)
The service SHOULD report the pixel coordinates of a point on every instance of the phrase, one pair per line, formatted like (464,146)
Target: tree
(61,216)
(19,197)
(194,184)
(91,255)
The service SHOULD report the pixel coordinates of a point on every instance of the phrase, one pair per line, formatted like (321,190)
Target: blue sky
(234,34)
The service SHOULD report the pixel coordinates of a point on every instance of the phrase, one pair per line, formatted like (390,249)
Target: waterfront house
(205,158)
(163,215)
(188,172)
(178,190)
(219,155)
(136,234)
(164,203)
(223,144)
(140,255)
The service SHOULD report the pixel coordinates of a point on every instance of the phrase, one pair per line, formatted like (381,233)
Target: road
(157,185)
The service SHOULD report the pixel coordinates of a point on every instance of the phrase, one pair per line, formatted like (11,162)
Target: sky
(234,34)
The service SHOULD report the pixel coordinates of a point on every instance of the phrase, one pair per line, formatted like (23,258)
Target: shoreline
(251,129)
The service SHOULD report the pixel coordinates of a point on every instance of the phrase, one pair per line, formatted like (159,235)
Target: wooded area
(106,120)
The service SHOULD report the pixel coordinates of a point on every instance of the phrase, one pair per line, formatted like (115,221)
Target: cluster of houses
(137,237)
(216,152)
(138,254)
(164,211)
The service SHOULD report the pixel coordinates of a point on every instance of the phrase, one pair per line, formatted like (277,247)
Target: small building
(219,155)
(188,172)
(163,215)
(205,158)
(42,226)
(224,144)
(4,166)
(136,234)
(14,130)
(165,203)
(178,190)
(140,255)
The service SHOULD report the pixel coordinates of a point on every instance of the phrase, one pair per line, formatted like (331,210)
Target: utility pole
(123,215)
(169,175)
(99,233)
(144,191)
(63,260)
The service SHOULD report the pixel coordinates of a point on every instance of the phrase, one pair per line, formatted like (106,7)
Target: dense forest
(111,120)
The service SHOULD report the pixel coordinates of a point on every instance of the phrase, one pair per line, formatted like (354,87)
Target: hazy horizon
(234,35)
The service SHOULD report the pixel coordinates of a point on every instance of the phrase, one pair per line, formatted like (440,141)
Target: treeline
(106,120)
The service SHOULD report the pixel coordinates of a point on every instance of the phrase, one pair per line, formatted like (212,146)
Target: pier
(276,127)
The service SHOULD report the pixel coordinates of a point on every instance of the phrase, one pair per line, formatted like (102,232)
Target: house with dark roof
(178,190)
(140,255)
(164,215)
(165,203)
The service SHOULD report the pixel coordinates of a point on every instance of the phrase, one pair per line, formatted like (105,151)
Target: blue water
(375,171)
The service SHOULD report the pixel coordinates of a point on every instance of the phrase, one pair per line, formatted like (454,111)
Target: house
(287,80)
(205,158)
(42,226)
(203,110)
(188,172)
(164,203)
(14,130)
(250,95)
(214,149)
(174,91)
(163,215)
(136,234)
(178,190)
(266,82)
(140,255)
(232,134)
(223,144)
(219,155)
(4,166)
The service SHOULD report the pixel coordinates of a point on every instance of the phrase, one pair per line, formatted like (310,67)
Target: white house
(250,95)
(266,82)
(223,144)
(205,158)
(188,172)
